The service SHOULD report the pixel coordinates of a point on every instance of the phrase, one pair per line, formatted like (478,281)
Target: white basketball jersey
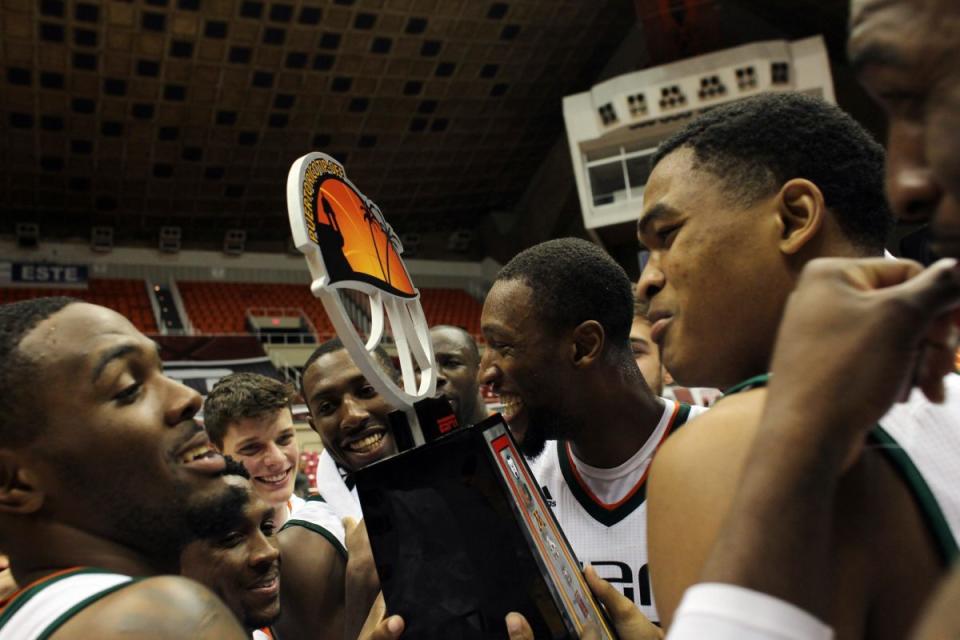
(341,496)
(603,512)
(922,440)
(317,516)
(37,611)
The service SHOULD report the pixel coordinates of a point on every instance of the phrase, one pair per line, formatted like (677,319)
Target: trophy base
(461,536)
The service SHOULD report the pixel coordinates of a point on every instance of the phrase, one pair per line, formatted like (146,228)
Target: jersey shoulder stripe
(611,514)
(38,611)
(929,507)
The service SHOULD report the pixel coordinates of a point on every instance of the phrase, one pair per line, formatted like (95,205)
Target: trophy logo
(349,245)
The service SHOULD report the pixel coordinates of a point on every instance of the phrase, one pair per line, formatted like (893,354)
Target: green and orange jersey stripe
(612,513)
(36,585)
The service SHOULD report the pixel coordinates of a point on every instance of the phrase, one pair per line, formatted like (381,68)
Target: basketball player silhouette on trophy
(329,235)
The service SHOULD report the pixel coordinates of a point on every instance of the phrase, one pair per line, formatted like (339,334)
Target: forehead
(448,341)
(76,336)
(508,307)
(640,328)
(330,371)
(265,427)
(676,184)
(891,32)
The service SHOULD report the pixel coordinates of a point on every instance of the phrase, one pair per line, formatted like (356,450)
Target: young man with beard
(248,418)
(557,323)
(790,179)
(458,362)
(102,473)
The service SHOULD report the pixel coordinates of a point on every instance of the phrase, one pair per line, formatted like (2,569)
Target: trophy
(460,532)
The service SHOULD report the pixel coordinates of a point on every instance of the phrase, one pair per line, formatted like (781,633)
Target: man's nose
(912,190)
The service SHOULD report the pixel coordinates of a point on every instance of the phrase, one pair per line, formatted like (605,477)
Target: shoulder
(712,437)
(160,607)
(314,523)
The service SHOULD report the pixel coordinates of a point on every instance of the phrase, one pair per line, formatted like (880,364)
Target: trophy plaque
(460,532)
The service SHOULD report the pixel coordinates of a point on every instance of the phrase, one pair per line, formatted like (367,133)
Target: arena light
(234,242)
(169,241)
(101,239)
(28,235)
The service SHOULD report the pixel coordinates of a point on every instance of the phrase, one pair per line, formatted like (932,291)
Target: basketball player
(458,362)
(239,560)
(881,315)
(556,323)
(350,417)
(791,178)
(103,472)
(248,417)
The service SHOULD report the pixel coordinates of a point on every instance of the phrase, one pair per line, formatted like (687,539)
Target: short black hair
(242,395)
(758,144)
(19,422)
(573,281)
(468,337)
(336,344)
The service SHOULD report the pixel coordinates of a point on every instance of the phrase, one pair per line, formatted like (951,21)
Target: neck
(617,420)
(38,550)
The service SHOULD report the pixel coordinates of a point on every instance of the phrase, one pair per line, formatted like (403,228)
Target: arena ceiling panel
(189,112)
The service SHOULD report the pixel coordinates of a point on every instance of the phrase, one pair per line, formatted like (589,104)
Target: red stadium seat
(127,297)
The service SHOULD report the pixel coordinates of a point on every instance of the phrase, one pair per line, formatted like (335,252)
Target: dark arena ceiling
(190,112)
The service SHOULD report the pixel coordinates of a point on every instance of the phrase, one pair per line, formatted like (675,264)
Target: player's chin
(533,442)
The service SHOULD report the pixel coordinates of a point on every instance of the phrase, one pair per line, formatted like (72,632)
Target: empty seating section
(219,307)
(452,306)
(127,297)
(309,461)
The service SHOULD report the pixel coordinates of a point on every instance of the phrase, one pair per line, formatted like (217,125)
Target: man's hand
(629,622)
(378,627)
(856,336)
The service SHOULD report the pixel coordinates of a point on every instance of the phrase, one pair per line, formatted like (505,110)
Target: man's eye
(268,528)
(230,540)
(665,234)
(367,391)
(325,408)
(128,394)
(904,104)
(285,439)
(249,451)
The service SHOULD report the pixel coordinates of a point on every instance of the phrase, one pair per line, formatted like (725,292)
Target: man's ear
(21,491)
(800,212)
(588,341)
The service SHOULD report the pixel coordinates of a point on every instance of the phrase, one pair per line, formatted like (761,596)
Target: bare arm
(872,327)
(162,608)
(311,585)
(362,581)
(692,483)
